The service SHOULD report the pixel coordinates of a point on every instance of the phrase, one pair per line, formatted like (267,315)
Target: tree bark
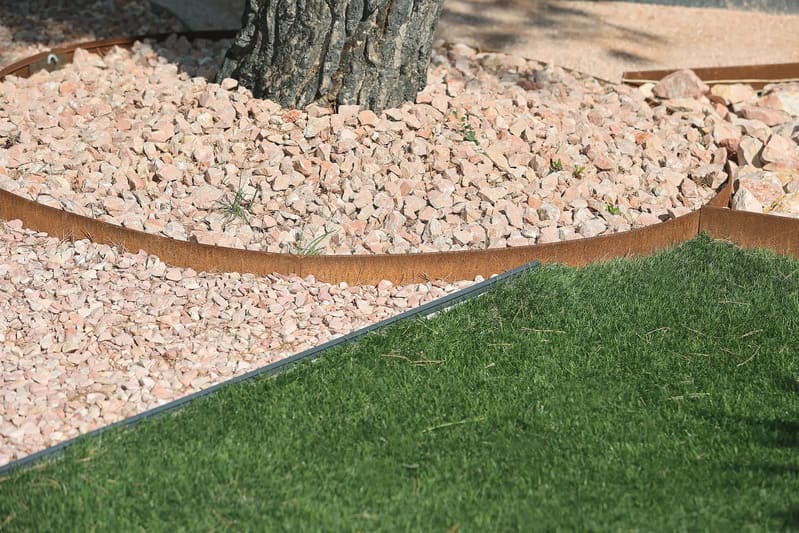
(373,53)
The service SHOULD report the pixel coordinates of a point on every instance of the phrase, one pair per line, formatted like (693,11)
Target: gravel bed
(497,151)
(764,131)
(33,26)
(90,334)
(759,131)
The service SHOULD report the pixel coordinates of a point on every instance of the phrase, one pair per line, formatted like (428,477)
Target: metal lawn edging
(748,230)
(439,305)
(758,76)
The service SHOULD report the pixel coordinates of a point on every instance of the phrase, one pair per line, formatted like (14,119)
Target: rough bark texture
(374,53)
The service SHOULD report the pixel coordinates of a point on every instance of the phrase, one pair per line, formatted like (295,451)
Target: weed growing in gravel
(578,172)
(613,209)
(556,166)
(11,140)
(466,129)
(238,207)
(312,248)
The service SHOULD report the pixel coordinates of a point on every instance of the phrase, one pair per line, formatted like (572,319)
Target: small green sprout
(578,172)
(312,248)
(466,129)
(556,165)
(613,209)
(238,207)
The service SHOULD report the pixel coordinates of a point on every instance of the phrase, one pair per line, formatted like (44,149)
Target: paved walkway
(601,38)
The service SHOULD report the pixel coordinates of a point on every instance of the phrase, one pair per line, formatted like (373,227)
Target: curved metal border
(354,269)
(749,230)
(29,65)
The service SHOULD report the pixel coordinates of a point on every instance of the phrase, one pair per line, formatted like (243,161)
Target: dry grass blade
(414,362)
(742,363)
(7,520)
(456,423)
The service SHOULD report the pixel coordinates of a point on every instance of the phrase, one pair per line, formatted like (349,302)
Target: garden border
(779,233)
(748,230)
(758,76)
(354,269)
(436,306)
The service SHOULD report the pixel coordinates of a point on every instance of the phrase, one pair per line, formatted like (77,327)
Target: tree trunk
(374,53)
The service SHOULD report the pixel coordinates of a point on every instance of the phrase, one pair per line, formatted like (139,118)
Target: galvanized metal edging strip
(436,306)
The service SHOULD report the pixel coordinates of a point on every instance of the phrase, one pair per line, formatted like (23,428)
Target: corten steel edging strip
(354,269)
(426,310)
(71,226)
(757,76)
(752,230)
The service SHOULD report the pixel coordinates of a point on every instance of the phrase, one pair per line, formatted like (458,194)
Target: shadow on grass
(780,433)
(790,519)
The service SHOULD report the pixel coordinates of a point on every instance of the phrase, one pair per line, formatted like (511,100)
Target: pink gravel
(135,140)
(90,334)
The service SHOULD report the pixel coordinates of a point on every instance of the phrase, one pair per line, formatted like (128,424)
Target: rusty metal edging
(354,269)
(752,230)
(758,76)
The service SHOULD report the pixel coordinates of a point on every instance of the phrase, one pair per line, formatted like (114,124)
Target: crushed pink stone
(760,130)
(766,168)
(90,335)
(133,139)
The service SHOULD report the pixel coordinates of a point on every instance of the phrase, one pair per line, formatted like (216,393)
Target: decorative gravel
(498,151)
(90,335)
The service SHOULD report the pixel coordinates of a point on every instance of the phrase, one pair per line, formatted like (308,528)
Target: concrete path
(598,37)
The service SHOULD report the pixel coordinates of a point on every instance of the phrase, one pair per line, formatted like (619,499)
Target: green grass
(650,395)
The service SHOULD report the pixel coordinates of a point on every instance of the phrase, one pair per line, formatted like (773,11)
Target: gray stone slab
(206,14)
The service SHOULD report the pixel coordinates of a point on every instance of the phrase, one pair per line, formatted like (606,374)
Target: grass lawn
(658,394)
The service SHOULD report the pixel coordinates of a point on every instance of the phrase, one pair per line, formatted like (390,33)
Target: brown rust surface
(752,230)
(354,269)
(723,195)
(755,75)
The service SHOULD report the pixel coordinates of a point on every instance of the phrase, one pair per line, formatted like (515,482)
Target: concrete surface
(602,38)
(206,14)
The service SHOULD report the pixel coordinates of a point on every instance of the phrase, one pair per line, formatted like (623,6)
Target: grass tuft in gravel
(655,395)
(237,207)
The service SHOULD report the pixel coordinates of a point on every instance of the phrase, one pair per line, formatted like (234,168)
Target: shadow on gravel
(494,24)
(50,23)
(776,7)
(497,24)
